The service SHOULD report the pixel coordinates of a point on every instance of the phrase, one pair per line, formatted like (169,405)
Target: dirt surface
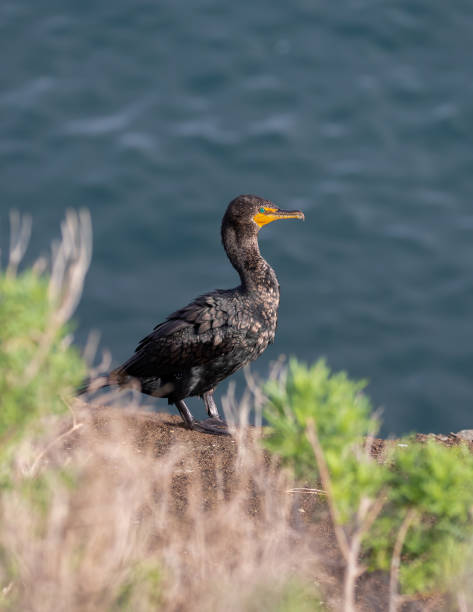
(213,459)
(380,446)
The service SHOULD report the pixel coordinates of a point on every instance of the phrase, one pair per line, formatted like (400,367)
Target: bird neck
(243,251)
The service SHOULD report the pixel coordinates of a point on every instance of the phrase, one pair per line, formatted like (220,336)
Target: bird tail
(89,385)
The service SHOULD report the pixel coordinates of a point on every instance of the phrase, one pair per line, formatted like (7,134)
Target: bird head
(251,211)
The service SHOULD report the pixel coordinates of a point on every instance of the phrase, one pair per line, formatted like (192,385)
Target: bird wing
(193,335)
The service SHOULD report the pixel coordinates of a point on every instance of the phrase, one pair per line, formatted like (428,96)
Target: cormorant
(219,332)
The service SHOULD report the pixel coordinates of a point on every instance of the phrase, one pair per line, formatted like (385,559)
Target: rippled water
(155,114)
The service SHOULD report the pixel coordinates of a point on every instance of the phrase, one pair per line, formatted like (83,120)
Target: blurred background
(154,115)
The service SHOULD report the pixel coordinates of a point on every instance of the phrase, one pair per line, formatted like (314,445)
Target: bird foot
(211,425)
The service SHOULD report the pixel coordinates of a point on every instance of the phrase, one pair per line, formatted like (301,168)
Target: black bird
(219,332)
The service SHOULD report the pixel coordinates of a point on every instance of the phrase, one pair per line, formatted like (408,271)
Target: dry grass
(144,524)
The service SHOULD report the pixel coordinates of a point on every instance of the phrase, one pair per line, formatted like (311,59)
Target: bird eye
(262,210)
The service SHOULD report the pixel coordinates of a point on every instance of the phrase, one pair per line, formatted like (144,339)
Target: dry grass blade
(396,559)
(349,543)
(71,260)
(307,490)
(342,539)
(20,233)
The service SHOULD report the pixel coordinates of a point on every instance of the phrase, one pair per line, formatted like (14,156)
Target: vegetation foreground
(106,508)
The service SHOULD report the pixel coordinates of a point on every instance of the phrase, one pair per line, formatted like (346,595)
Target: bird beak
(288,214)
(273,214)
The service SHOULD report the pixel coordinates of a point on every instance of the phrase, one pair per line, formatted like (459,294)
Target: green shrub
(342,414)
(140,590)
(291,596)
(38,368)
(435,482)
(429,483)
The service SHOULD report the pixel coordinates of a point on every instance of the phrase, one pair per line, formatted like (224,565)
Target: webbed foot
(212,425)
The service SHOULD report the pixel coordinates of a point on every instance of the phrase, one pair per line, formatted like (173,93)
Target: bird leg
(185,414)
(212,425)
(210,404)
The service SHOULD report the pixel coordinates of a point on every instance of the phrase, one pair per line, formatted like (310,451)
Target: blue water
(155,114)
